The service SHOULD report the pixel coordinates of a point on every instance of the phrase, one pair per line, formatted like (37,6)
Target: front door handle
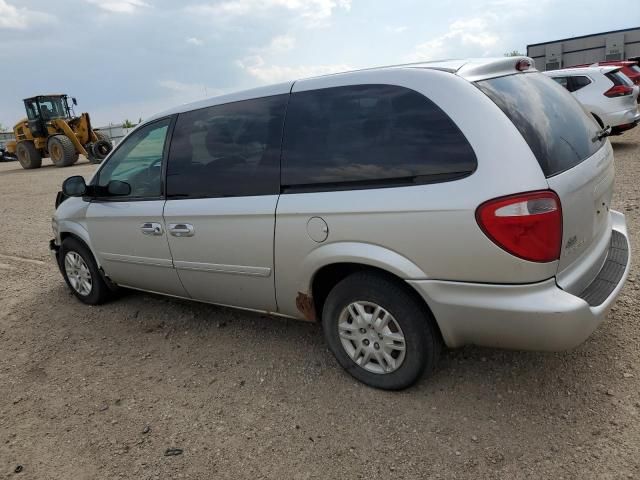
(151,228)
(181,230)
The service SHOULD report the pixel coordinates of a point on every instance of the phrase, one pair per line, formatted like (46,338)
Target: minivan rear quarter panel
(432,228)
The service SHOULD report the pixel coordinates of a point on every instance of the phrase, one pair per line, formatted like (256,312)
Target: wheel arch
(329,275)
(75,230)
(327,265)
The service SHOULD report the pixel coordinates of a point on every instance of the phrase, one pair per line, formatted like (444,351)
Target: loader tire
(28,155)
(62,151)
(101,148)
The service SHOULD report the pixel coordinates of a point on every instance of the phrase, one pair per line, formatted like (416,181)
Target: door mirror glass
(118,188)
(74,186)
(73,99)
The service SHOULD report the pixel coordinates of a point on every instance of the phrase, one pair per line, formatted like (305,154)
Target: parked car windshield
(556,127)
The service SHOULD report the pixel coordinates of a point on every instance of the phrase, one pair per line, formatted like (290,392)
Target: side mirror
(74,186)
(75,102)
(118,188)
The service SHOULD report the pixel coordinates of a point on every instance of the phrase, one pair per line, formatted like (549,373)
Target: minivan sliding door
(223,181)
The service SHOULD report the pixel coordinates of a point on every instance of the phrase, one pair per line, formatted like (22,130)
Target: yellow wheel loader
(52,129)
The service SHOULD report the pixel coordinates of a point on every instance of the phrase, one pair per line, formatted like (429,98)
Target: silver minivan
(405,208)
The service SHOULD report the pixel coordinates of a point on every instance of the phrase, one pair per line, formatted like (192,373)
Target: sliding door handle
(151,228)
(181,230)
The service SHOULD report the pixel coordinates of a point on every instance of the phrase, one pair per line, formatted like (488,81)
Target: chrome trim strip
(216,267)
(154,262)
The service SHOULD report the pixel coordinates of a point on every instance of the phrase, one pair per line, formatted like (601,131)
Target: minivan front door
(127,232)
(223,181)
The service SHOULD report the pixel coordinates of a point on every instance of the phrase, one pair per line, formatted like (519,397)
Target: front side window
(227,150)
(138,161)
(368,136)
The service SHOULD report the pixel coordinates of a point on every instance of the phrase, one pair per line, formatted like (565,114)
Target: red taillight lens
(527,225)
(618,91)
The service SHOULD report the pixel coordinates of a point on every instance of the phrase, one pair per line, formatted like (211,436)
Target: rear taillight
(618,91)
(527,225)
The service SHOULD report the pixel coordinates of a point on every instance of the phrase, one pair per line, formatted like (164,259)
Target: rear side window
(368,136)
(619,78)
(227,150)
(559,132)
(564,81)
(579,82)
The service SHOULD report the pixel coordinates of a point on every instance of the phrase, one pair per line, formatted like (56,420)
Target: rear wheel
(28,155)
(62,151)
(379,332)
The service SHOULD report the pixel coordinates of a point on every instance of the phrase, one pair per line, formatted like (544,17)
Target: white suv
(605,92)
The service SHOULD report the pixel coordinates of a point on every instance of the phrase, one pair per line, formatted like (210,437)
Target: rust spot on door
(304,303)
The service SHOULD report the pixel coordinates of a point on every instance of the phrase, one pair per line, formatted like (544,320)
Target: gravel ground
(103,392)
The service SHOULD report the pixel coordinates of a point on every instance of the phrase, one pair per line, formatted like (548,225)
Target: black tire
(423,343)
(28,155)
(99,292)
(102,147)
(62,151)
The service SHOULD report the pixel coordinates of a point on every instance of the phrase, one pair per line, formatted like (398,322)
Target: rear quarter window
(368,136)
(559,132)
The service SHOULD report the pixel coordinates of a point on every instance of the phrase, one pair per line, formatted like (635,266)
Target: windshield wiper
(600,134)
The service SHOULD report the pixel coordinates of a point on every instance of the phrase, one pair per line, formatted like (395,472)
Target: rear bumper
(538,316)
(624,119)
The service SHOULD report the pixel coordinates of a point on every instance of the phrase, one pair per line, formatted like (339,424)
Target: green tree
(128,124)
(514,53)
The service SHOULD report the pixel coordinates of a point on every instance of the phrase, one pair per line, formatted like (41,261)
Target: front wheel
(81,273)
(380,333)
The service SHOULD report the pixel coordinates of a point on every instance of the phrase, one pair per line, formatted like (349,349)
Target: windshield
(558,130)
(52,107)
(634,68)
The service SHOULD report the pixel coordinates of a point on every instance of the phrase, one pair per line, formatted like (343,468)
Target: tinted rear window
(619,78)
(558,130)
(367,136)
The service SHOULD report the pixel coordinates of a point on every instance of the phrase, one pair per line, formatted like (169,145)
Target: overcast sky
(132,58)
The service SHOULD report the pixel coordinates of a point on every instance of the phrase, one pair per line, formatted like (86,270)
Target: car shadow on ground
(623,146)
(271,339)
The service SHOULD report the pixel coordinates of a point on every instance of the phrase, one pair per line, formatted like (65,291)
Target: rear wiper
(600,134)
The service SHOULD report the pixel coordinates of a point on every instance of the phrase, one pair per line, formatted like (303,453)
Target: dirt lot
(103,392)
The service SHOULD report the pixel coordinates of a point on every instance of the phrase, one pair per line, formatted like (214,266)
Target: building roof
(583,36)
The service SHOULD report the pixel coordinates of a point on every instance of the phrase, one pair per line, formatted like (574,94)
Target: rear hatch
(577,163)
(619,79)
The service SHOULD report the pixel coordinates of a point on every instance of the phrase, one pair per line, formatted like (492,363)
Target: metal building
(598,47)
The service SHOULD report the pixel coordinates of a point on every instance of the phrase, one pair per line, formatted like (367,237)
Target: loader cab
(43,108)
